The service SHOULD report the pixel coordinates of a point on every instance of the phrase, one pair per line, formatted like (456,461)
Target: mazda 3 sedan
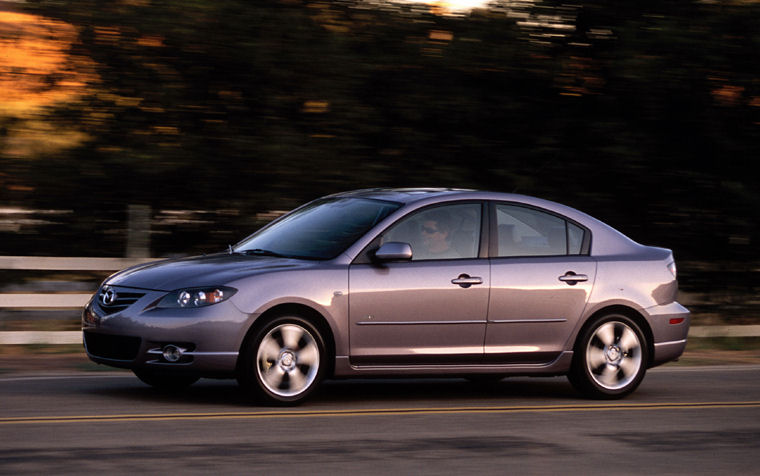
(399,282)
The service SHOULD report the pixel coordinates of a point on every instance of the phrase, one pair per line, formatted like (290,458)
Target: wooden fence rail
(54,263)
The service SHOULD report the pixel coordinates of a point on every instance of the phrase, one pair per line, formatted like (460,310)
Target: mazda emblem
(108,296)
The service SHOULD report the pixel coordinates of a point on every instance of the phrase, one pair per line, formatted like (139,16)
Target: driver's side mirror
(394,251)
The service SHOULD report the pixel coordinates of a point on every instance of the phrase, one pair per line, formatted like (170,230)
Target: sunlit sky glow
(451,6)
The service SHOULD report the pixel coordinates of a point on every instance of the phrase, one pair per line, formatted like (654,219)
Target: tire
(284,362)
(610,358)
(166,381)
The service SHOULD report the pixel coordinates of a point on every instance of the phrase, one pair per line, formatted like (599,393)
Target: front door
(430,309)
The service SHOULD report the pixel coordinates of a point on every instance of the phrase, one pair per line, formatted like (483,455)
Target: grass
(46,325)
(724,343)
(41,349)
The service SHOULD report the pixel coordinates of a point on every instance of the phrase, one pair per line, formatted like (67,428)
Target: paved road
(681,421)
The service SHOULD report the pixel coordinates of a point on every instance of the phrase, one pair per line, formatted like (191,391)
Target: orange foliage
(38,71)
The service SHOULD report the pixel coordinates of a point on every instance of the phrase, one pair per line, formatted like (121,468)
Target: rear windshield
(320,230)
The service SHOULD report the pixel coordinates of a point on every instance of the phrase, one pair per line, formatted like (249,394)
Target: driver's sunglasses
(427,229)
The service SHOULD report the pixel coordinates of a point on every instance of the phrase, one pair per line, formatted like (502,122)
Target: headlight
(197,297)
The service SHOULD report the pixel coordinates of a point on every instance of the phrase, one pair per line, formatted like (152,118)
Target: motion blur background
(198,121)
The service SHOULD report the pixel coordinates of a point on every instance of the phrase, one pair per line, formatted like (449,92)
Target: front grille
(112,347)
(123,300)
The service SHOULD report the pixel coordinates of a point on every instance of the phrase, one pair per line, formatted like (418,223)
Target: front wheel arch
(292,309)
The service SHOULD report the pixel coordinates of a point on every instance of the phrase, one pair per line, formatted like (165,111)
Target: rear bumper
(667,351)
(670,328)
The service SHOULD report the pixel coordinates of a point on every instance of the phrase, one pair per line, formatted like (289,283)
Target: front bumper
(135,337)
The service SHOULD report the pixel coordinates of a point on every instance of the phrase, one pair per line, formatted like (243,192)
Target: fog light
(172,353)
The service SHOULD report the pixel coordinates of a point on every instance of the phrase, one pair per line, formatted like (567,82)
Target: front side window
(320,230)
(523,231)
(442,232)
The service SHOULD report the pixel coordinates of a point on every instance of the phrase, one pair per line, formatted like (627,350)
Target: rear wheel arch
(626,311)
(611,353)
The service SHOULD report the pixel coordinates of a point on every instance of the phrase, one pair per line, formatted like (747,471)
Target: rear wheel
(284,361)
(610,358)
(165,380)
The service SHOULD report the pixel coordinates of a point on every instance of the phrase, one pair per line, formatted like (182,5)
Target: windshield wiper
(260,252)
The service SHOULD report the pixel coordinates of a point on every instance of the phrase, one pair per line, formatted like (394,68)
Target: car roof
(409,196)
(425,196)
(402,195)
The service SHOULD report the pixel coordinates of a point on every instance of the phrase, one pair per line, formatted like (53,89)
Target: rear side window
(523,231)
(574,239)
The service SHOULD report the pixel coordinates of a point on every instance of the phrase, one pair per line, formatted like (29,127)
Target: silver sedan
(399,282)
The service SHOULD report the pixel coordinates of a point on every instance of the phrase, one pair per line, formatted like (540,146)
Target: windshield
(320,230)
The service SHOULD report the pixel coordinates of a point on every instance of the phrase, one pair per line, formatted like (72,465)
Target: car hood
(210,270)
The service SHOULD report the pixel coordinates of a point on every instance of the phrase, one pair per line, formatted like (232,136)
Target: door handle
(572,279)
(466,281)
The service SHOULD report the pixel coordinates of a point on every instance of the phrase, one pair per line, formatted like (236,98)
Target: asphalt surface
(692,420)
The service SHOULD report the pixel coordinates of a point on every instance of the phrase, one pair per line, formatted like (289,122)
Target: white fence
(47,301)
(50,263)
(33,301)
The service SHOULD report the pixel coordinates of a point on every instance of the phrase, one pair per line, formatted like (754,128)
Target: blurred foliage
(644,114)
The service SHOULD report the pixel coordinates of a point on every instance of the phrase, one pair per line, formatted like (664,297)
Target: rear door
(541,279)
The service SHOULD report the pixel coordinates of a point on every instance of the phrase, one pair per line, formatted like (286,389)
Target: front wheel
(284,361)
(610,359)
